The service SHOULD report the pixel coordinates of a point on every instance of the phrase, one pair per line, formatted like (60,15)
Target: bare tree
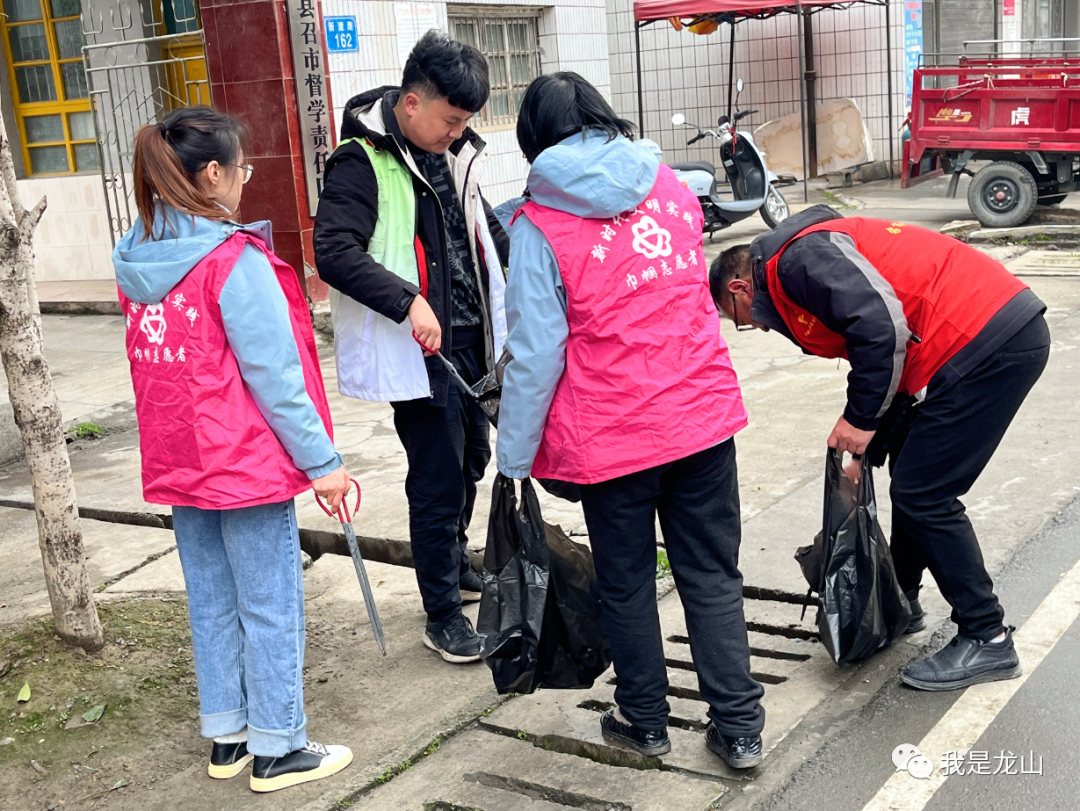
(37,413)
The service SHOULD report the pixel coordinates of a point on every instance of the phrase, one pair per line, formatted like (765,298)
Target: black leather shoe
(738,753)
(964,662)
(643,741)
(302,766)
(918,616)
(470,586)
(228,760)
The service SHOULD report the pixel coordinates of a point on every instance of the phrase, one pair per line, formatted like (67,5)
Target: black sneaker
(228,760)
(643,741)
(454,639)
(964,662)
(738,753)
(470,586)
(918,616)
(312,762)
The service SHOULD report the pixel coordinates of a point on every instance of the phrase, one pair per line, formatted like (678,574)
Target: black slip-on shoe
(470,586)
(313,762)
(918,616)
(738,753)
(650,742)
(228,760)
(454,639)
(964,662)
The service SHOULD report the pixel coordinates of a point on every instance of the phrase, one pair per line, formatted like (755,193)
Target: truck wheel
(1002,195)
(775,208)
(1052,199)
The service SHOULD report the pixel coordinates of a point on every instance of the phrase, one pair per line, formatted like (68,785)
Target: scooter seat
(692,166)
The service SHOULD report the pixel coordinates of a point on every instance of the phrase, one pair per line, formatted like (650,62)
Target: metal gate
(142,58)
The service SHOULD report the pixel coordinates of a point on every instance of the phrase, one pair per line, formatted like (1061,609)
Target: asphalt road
(1037,724)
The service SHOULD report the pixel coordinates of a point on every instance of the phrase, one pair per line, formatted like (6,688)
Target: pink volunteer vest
(648,378)
(203,441)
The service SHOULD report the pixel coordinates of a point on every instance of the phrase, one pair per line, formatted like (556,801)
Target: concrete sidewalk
(388,710)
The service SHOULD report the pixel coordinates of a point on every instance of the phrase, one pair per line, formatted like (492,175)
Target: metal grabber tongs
(487,391)
(358,562)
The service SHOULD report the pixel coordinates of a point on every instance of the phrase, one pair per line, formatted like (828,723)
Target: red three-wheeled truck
(1022,113)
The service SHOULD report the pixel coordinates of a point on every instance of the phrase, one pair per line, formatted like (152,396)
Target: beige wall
(72,242)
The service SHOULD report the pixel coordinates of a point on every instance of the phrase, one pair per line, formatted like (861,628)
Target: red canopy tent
(650,10)
(690,12)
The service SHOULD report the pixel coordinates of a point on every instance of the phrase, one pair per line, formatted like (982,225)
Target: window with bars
(44,41)
(511,45)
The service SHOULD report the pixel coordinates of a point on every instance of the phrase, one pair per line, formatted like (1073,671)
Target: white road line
(969,717)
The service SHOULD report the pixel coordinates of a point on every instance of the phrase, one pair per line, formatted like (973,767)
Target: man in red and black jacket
(944,345)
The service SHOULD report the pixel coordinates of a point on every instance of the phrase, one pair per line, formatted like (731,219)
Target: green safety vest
(393,243)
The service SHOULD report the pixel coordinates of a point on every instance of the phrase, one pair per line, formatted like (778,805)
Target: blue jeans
(246,606)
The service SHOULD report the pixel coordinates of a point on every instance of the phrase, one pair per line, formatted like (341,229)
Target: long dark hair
(559,105)
(169,155)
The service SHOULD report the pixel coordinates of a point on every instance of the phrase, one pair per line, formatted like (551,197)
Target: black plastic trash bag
(539,619)
(862,608)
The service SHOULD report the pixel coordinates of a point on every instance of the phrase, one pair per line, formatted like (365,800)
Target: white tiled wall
(72,241)
(573,36)
(688,73)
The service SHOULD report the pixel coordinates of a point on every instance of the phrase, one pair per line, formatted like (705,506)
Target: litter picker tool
(488,390)
(358,562)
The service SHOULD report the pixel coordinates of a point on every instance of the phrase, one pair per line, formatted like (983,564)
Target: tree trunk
(37,413)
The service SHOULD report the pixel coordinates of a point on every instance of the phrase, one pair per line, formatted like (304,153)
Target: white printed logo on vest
(650,240)
(153,324)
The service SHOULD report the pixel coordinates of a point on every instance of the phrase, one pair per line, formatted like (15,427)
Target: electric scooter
(753,185)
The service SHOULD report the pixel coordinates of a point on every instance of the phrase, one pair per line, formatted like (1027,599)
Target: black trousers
(697,499)
(448,449)
(953,435)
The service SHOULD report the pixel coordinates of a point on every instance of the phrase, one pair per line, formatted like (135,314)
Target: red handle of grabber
(343,511)
(424,346)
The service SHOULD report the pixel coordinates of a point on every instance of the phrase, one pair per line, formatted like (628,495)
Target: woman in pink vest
(622,384)
(233,425)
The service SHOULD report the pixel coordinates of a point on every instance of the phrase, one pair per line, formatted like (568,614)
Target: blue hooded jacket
(255,315)
(589,176)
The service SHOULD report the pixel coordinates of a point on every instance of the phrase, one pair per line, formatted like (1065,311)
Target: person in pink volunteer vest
(621,383)
(233,425)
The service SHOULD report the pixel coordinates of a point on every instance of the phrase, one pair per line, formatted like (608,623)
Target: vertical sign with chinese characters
(412,21)
(913,43)
(312,94)
(1011,27)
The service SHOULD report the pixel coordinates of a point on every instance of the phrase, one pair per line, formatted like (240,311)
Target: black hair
(440,68)
(169,155)
(559,105)
(734,263)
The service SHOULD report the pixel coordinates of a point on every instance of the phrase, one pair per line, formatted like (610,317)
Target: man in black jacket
(944,345)
(414,258)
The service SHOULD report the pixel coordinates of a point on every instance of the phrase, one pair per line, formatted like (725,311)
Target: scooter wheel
(775,208)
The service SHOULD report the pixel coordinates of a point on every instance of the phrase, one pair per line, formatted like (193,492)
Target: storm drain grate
(763,653)
(550,794)
(688,724)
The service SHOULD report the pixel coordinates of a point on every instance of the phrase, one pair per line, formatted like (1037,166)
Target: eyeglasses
(735,317)
(248,169)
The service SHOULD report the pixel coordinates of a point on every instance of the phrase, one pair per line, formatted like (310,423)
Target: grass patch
(143,679)
(836,203)
(1035,239)
(663,565)
(87,430)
